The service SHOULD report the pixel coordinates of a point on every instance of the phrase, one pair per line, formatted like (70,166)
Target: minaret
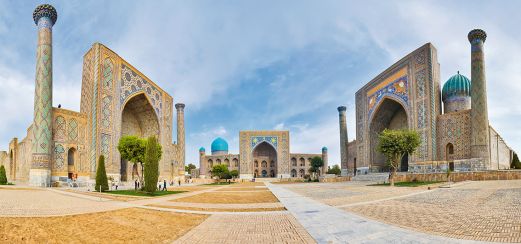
(44,17)
(479,112)
(324,158)
(180,107)
(202,165)
(343,139)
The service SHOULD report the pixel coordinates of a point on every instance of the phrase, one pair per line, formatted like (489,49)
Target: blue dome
(324,149)
(201,149)
(457,85)
(219,144)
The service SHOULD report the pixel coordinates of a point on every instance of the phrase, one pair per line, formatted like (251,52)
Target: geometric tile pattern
(396,89)
(73,130)
(272,140)
(132,83)
(58,156)
(59,128)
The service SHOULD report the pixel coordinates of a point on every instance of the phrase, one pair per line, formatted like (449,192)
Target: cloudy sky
(260,65)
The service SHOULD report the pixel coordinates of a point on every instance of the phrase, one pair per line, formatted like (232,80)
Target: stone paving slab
(328,224)
(223,205)
(250,228)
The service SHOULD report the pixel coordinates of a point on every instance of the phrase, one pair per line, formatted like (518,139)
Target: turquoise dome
(219,145)
(201,149)
(324,149)
(457,85)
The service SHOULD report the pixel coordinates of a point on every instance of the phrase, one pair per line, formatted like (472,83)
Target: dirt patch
(18,188)
(189,188)
(221,209)
(248,183)
(120,226)
(230,197)
(244,189)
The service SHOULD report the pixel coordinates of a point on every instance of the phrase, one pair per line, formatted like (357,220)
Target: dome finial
(458,72)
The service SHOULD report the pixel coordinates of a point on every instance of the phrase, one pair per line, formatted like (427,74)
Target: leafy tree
(3,176)
(334,170)
(395,144)
(316,164)
(219,171)
(152,157)
(132,149)
(234,173)
(189,167)
(515,162)
(101,175)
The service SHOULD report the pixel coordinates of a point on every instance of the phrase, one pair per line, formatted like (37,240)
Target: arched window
(256,164)
(218,161)
(264,164)
(450,148)
(272,173)
(226,162)
(235,162)
(294,163)
(272,163)
(294,171)
(210,163)
(256,173)
(449,151)
(70,156)
(264,173)
(301,173)
(302,162)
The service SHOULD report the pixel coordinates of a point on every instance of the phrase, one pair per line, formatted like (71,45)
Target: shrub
(152,156)
(3,177)
(334,170)
(234,173)
(101,175)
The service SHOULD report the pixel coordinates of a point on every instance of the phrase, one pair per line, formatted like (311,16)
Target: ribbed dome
(457,85)
(219,144)
(201,149)
(324,149)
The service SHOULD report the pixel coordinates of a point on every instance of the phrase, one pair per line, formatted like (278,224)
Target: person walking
(179,182)
(164,185)
(135,185)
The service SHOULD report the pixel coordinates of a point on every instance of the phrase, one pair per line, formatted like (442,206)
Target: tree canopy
(132,148)
(151,158)
(189,167)
(334,170)
(395,144)
(220,171)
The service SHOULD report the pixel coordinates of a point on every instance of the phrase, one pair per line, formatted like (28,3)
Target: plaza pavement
(328,224)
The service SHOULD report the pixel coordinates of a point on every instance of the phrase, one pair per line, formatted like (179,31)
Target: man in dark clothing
(179,182)
(164,185)
(135,185)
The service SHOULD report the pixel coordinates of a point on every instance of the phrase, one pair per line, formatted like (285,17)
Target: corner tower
(44,17)
(343,139)
(479,113)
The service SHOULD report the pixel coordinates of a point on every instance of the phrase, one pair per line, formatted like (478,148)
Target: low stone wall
(335,179)
(461,176)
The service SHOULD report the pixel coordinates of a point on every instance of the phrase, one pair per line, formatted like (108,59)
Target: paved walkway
(250,228)
(331,225)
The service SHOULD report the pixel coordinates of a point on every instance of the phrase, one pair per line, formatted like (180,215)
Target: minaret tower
(324,158)
(202,165)
(180,107)
(343,139)
(44,17)
(479,113)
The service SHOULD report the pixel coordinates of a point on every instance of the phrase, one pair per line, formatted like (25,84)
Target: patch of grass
(142,193)
(219,183)
(408,184)
(8,184)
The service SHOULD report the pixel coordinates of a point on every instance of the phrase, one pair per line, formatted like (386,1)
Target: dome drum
(456,94)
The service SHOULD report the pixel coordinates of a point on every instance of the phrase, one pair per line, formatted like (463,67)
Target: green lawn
(408,184)
(142,193)
(219,183)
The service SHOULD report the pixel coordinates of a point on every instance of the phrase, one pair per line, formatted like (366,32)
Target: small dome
(219,145)
(201,149)
(324,149)
(457,85)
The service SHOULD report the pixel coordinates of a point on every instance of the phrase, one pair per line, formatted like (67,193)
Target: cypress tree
(515,162)
(101,175)
(152,156)
(3,177)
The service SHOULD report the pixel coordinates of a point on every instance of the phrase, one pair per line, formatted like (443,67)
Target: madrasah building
(116,100)
(263,154)
(452,122)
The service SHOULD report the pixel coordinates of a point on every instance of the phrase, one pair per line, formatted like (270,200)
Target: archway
(449,155)
(293,173)
(139,119)
(71,153)
(264,153)
(392,115)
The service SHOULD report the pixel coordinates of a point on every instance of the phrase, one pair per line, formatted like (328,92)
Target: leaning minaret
(180,107)
(343,139)
(478,91)
(40,174)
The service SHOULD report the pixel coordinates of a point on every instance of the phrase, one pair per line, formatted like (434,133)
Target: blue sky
(254,65)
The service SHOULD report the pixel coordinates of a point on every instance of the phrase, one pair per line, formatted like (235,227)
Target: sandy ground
(244,189)
(220,209)
(120,226)
(230,197)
